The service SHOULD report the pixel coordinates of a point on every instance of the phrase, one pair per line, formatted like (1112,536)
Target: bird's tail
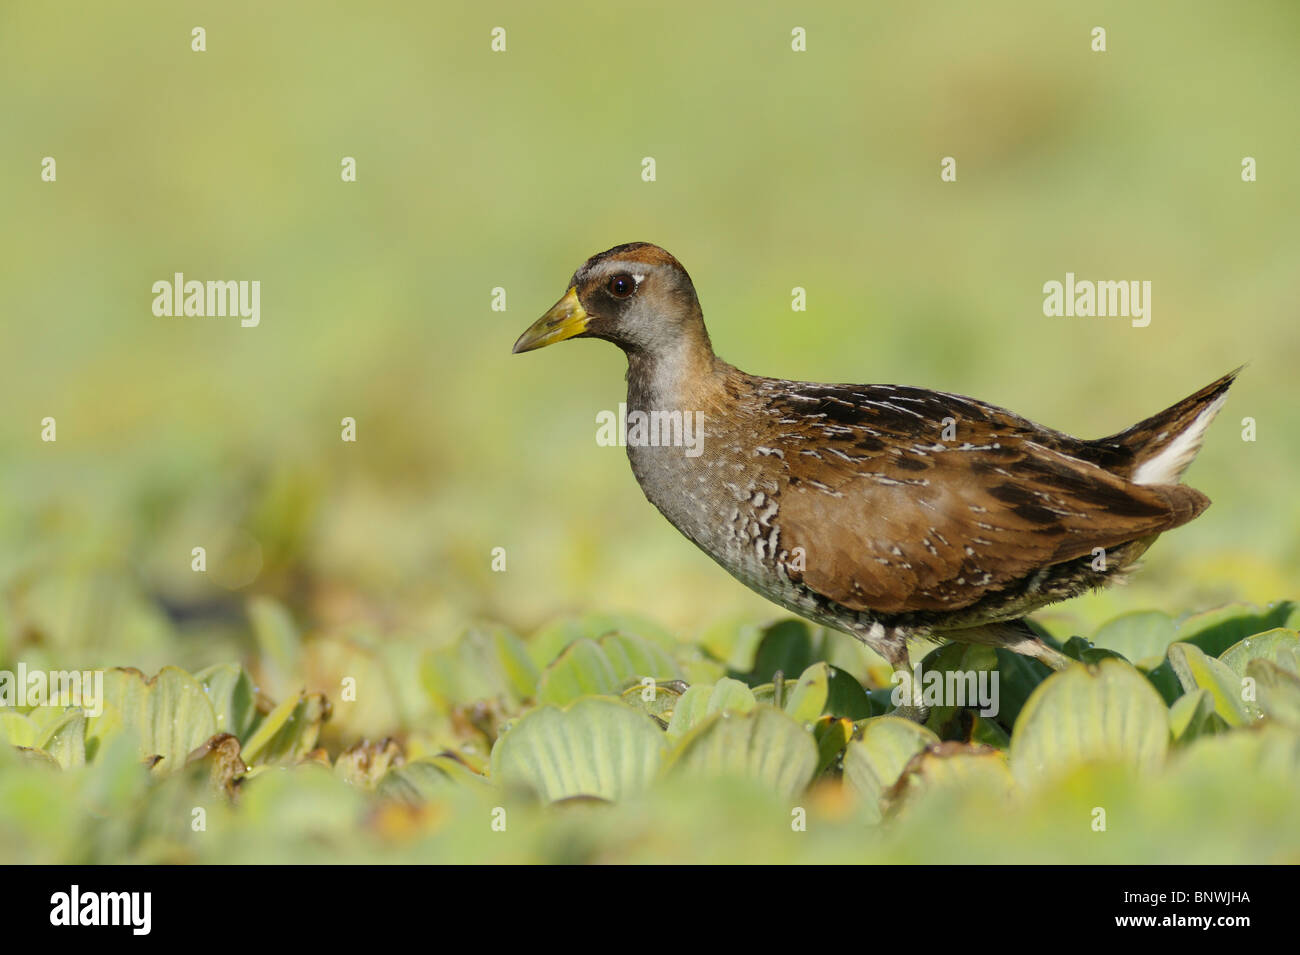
(1162,446)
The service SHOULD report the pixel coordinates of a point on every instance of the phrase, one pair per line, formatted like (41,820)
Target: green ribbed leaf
(484,664)
(1106,712)
(1276,690)
(233,696)
(65,739)
(699,702)
(764,744)
(594,747)
(1142,637)
(873,763)
(1192,715)
(1278,646)
(604,667)
(660,700)
(551,640)
(420,781)
(1216,630)
(288,733)
(1195,669)
(807,699)
(169,716)
(952,768)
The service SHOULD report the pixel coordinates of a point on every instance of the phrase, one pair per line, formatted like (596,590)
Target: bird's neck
(684,374)
(678,406)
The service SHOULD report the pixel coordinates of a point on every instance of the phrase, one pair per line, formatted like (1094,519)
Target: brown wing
(906,500)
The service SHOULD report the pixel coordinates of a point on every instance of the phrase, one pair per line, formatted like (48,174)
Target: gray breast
(721,494)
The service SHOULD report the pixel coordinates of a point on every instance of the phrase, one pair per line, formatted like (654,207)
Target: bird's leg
(891,643)
(1016,636)
(909,709)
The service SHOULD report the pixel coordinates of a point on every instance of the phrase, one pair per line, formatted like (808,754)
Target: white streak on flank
(1168,466)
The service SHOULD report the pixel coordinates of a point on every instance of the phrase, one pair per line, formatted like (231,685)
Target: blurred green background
(477,170)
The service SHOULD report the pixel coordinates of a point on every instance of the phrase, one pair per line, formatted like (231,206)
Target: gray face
(638,304)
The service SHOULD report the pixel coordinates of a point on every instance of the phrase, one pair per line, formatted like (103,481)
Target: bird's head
(637,296)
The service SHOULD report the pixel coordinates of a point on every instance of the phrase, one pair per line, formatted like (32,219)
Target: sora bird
(883,511)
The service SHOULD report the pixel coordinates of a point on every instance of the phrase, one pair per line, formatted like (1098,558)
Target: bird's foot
(917,714)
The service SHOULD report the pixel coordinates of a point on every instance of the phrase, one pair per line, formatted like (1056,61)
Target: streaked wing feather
(909,500)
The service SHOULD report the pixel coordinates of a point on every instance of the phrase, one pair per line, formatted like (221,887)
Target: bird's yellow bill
(566,318)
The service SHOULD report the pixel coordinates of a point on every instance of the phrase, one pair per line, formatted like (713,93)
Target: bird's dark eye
(621,286)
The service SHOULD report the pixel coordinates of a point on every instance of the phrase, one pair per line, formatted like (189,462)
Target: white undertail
(1168,465)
